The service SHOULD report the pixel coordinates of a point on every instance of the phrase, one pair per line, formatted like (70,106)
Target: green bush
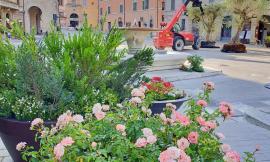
(267,39)
(64,74)
(196,63)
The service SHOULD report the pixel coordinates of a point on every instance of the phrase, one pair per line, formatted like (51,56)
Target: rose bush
(128,132)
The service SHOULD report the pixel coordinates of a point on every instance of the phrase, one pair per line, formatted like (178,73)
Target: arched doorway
(74,20)
(35,19)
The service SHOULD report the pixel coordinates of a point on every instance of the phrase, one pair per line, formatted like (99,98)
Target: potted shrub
(45,79)
(267,42)
(162,93)
(208,21)
(243,12)
(127,132)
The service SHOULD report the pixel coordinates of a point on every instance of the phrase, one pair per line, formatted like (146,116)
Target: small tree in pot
(243,12)
(208,21)
(267,41)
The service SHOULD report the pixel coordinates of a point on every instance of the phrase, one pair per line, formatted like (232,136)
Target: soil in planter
(208,44)
(234,48)
(13,131)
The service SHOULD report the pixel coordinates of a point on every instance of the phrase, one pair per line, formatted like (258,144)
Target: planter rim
(173,101)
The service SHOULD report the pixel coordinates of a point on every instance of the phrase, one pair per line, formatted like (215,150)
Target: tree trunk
(207,37)
(235,39)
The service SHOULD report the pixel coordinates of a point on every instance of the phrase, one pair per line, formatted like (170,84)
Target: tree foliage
(244,11)
(207,22)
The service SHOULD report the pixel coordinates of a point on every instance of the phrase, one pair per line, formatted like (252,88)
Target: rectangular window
(73,3)
(163,6)
(121,8)
(172,5)
(145,4)
(84,2)
(100,11)
(134,5)
(109,10)
(60,2)
(183,24)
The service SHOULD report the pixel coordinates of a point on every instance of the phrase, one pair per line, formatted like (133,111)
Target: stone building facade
(140,13)
(255,31)
(40,15)
(73,12)
(10,10)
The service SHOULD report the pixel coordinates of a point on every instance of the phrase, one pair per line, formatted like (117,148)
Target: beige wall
(48,8)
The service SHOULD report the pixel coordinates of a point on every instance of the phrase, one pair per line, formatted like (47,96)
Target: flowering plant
(160,90)
(128,132)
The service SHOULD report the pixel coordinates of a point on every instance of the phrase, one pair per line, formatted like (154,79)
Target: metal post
(24,17)
(124,13)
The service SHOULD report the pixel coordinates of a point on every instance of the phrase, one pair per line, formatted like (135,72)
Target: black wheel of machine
(178,44)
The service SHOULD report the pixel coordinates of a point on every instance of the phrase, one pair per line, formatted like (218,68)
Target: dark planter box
(13,131)
(157,107)
(208,44)
(234,48)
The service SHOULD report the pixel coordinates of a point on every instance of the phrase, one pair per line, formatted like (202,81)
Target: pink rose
(36,123)
(201,121)
(136,100)
(184,120)
(202,103)
(183,143)
(231,156)
(163,118)
(105,107)
(97,108)
(151,139)
(100,115)
(226,109)
(141,142)
(20,146)
(120,128)
(93,144)
(193,137)
(209,86)
(209,125)
(67,141)
(147,132)
(220,135)
(78,118)
(165,157)
(138,93)
(64,119)
(174,152)
(184,157)
(59,151)
(170,105)
(225,148)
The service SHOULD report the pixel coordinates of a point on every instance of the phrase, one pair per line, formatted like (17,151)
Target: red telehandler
(169,37)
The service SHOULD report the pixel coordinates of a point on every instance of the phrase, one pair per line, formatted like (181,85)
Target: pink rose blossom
(201,121)
(183,143)
(226,109)
(120,128)
(59,151)
(147,132)
(209,86)
(151,139)
(97,108)
(165,157)
(225,148)
(20,146)
(105,107)
(193,137)
(137,92)
(67,141)
(136,100)
(202,103)
(93,144)
(78,118)
(141,142)
(163,118)
(231,156)
(36,123)
(174,152)
(170,105)
(64,119)
(100,115)
(184,157)
(209,125)
(184,120)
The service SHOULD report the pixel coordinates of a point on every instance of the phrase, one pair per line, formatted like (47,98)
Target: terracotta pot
(13,131)
(234,48)
(157,107)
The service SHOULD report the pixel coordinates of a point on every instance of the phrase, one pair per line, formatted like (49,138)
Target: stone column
(3,16)
(254,23)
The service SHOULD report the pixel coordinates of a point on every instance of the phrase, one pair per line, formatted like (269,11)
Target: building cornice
(8,4)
